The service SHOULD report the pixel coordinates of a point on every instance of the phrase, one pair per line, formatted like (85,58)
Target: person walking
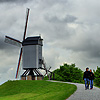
(91,78)
(86,78)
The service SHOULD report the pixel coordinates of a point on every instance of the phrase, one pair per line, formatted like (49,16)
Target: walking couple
(88,77)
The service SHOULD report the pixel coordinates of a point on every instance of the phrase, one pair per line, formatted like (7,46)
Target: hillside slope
(35,90)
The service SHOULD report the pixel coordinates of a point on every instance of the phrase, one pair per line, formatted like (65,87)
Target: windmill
(30,53)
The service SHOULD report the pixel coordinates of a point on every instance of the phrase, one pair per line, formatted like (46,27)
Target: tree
(97,76)
(69,73)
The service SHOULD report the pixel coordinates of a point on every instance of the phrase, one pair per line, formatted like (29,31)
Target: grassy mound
(35,90)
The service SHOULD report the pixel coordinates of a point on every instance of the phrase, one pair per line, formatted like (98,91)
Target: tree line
(97,76)
(71,73)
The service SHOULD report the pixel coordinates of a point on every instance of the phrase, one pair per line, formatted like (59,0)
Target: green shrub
(69,73)
(97,76)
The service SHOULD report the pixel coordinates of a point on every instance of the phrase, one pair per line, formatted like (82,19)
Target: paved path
(82,94)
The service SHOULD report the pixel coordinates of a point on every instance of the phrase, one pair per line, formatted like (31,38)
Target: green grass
(35,90)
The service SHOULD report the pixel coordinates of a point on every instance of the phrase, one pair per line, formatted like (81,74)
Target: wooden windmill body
(31,55)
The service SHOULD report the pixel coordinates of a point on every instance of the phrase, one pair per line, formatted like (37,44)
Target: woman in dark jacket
(91,78)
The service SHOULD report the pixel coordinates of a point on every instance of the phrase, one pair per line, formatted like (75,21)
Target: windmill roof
(33,38)
(36,40)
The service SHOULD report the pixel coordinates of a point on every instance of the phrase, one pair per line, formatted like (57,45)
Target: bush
(46,78)
(97,76)
(69,73)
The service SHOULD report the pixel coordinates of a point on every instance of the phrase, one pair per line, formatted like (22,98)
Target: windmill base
(29,77)
(23,77)
(33,74)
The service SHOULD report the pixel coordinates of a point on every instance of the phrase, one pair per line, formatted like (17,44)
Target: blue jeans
(91,84)
(86,82)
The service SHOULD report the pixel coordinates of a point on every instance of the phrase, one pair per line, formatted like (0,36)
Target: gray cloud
(69,19)
(70,30)
(14,1)
(83,41)
(66,19)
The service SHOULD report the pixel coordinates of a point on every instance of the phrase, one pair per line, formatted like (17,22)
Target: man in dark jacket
(86,78)
(91,78)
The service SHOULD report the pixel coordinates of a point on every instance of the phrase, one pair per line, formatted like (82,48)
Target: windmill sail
(20,56)
(12,41)
(20,69)
(26,24)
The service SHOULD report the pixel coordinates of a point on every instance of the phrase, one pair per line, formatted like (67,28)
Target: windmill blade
(12,41)
(19,62)
(49,68)
(26,24)
(44,65)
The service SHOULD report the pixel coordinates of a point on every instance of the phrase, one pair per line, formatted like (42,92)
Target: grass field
(35,90)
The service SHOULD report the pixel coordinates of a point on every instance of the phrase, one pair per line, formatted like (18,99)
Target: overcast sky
(70,29)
